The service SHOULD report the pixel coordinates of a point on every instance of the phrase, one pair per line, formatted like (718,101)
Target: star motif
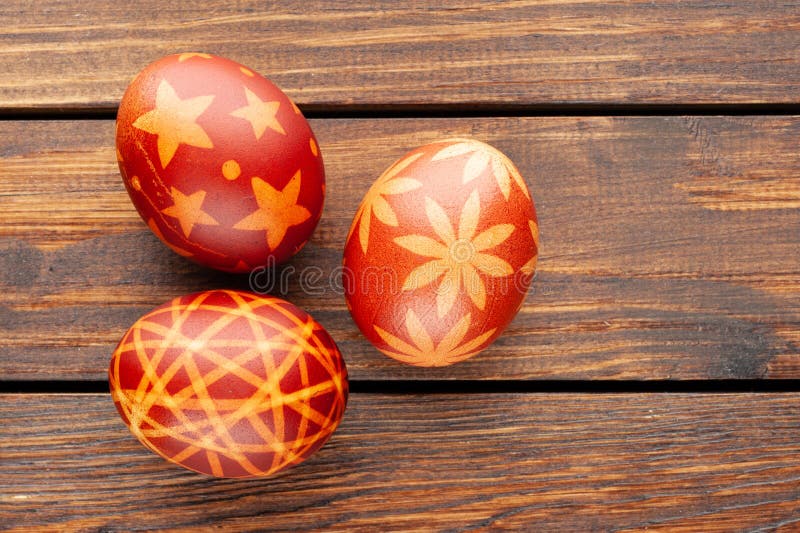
(188,55)
(260,114)
(177,249)
(277,210)
(174,121)
(188,211)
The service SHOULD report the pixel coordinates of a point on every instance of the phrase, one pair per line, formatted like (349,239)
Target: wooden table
(649,381)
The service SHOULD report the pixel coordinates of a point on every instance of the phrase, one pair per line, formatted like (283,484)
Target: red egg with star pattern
(219,162)
(229,383)
(441,253)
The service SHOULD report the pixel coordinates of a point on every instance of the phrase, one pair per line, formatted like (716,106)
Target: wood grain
(565,462)
(58,55)
(657,261)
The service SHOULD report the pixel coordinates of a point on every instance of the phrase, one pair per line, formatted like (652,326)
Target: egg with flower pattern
(219,162)
(441,253)
(229,383)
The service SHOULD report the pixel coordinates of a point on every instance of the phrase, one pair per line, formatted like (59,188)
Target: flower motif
(375,203)
(530,267)
(482,157)
(423,351)
(457,258)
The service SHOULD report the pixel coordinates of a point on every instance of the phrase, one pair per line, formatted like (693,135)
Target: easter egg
(219,162)
(441,253)
(229,383)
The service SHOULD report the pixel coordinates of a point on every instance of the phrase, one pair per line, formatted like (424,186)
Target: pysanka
(229,383)
(225,170)
(219,162)
(441,253)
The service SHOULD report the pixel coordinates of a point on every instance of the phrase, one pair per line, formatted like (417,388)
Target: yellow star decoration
(423,351)
(151,223)
(188,55)
(187,209)
(530,267)
(174,121)
(457,258)
(260,114)
(482,157)
(277,210)
(375,203)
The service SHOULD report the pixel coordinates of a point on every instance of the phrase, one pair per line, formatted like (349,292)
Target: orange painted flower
(422,351)
(457,258)
(375,203)
(530,267)
(448,266)
(484,156)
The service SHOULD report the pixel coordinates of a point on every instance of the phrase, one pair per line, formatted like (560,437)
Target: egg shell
(441,253)
(219,162)
(229,383)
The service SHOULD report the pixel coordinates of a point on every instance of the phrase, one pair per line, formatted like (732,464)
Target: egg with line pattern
(229,383)
(441,253)
(219,162)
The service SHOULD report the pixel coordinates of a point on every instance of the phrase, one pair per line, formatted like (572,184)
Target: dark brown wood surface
(566,462)
(57,54)
(670,248)
(670,262)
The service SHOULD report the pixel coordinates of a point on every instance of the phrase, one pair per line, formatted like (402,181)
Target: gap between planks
(732,386)
(476,110)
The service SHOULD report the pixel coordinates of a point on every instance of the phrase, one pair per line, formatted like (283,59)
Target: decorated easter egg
(441,253)
(220,164)
(229,383)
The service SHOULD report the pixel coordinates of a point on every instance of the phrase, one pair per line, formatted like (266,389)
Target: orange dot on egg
(314,149)
(246,71)
(135,183)
(231,169)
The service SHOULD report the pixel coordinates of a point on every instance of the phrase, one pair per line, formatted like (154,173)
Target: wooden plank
(57,54)
(670,248)
(565,462)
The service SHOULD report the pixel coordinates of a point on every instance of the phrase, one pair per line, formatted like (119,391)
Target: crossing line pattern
(229,383)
